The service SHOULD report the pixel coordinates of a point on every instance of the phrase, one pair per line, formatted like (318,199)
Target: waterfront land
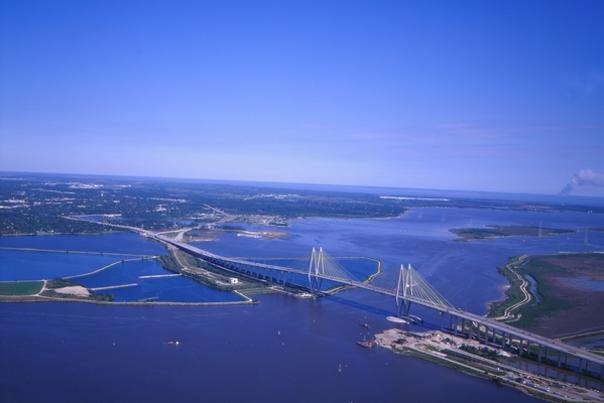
(243,215)
(498,231)
(20,288)
(36,203)
(566,297)
(211,275)
(476,359)
(48,290)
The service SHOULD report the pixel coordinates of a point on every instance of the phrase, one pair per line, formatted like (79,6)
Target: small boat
(398,320)
(365,343)
(174,343)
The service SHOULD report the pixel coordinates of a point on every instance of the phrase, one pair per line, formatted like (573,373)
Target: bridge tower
(316,268)
(402,289)
(412,287)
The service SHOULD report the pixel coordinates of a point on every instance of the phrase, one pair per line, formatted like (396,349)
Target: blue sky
(503,96)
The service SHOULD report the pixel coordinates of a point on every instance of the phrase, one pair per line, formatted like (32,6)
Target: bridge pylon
(402,289)
(412,287)
(316,268)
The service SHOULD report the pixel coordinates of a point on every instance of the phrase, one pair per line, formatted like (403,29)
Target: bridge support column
(523,351)
(456,325)
(539,352)
(525,347)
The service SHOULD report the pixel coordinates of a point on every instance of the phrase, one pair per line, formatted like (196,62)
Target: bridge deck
(502,327)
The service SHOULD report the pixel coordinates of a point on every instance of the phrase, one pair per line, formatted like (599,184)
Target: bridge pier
(455,324)
(539,353)
(523,350)
(486,334)
(413,288)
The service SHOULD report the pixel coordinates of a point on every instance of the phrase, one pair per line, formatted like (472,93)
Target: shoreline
(63,233)
(516,285)
(41,298)
(540,295)
(75,252)
(490,363)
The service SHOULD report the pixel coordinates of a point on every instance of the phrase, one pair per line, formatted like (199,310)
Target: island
(498,231)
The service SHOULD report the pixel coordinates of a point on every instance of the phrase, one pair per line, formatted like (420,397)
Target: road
(527,297)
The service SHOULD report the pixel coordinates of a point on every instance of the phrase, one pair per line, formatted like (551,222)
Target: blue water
(587,283)
(120,242)
(17,265)
(270,352)
(283,349)
(464,272)
(357,268)
(172,289)
(533,288)
(122,273)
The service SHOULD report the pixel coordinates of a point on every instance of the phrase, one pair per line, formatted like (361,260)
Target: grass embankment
(52,285)
(169,263)
(498,231)
(549,301)
(513,294)
(546,302)
(205,273)
(20,288)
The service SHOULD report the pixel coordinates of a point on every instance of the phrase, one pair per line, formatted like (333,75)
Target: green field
(513,294)
(498,231)
(17,288)
(559,307)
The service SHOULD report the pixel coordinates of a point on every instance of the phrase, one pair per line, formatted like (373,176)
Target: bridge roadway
(480,320)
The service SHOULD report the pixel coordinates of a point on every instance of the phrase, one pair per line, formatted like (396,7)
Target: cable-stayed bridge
(410,289)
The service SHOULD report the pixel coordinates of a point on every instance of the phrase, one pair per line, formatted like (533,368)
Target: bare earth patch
(76,290)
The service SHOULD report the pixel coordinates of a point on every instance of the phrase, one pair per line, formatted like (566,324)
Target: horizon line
(290,183)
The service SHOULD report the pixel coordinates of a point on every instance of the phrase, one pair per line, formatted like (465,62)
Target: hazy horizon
(315,186)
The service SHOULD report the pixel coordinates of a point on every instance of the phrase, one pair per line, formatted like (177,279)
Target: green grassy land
(512,294)
(19,288)
(539,269)
(549,302)
(496,231)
